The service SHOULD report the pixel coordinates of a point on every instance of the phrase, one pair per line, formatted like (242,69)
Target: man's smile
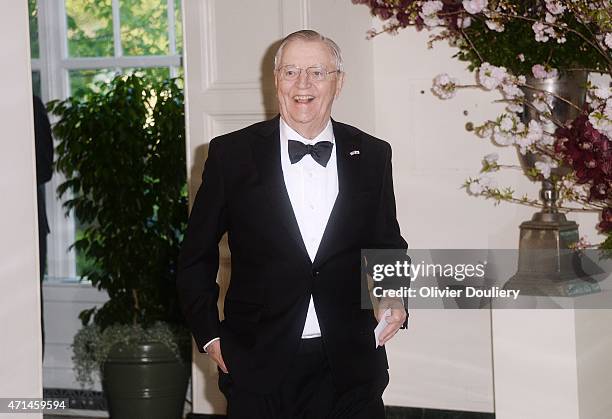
(303,98)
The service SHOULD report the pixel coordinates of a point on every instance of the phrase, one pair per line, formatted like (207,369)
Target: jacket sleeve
(388,240)
(199,257)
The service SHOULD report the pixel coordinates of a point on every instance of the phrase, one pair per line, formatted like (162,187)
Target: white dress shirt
(312,190)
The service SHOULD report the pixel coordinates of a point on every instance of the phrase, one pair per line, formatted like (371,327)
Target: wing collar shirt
(312,190)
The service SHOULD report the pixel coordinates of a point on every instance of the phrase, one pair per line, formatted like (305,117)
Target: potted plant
(122,151)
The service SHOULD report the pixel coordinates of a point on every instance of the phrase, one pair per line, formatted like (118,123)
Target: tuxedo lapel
(349,180)
(266,153)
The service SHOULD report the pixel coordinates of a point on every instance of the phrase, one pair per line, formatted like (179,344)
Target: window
(75,43)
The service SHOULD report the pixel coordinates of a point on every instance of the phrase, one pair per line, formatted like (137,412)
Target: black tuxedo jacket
(243,192)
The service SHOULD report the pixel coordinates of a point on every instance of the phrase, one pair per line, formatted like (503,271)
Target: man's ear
(339,83)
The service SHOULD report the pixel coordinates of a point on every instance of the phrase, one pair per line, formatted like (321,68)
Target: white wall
(20,341)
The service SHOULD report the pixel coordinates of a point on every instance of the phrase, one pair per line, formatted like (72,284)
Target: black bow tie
(320,152)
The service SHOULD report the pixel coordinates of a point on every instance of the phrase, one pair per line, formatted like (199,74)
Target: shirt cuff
(208,343)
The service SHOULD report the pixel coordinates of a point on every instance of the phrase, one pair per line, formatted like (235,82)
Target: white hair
(311,36)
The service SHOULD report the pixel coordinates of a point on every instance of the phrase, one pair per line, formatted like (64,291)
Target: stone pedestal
(553,363)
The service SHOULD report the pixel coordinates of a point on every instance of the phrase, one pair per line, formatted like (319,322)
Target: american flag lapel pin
(354,152)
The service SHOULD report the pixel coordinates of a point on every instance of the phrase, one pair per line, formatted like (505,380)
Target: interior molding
(209,52)
(305,13)
(209,55)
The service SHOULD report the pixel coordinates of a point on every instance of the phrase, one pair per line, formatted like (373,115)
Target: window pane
(90,28)
(33,12)
(178,27)
(36,89)
(144,27)
(81,81)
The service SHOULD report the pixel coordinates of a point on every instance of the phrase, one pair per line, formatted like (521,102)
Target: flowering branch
(577,156)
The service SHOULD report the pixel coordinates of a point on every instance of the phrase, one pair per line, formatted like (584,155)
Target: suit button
(315,273)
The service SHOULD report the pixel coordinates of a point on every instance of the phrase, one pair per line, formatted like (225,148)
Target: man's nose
(303,79)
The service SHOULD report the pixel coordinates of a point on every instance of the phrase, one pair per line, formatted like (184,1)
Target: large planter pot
(146,381)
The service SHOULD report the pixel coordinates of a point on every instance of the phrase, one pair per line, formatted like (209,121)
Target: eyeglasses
(314,73)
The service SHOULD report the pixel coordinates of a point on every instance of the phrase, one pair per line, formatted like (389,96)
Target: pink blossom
(555,7)
(515,106)
(602,90)
(475,188)
(608,40)
(545,166)
(502,138)
(535,131)
(601,123)
(431,7)
(429,13)
(491,158)
(481,184)
(494,25)
(506,123)
(464,22)
(539,30)
(444,86)
(474,6)
(490,76)
(542,102)
(512,91)
(540,72)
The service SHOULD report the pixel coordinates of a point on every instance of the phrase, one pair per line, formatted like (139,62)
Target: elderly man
(299,196)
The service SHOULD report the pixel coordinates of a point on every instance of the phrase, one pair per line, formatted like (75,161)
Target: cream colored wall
(20,343)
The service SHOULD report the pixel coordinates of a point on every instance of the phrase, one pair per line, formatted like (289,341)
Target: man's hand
(214,351)
(396,318)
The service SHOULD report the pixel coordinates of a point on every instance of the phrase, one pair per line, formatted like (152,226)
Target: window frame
(54,65)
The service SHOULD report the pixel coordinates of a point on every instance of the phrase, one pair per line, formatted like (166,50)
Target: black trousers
(307,392)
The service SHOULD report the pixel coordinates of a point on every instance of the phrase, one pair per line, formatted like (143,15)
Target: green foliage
(91,345)
(122,151)
(83,81)
(144,27)
(33,14)
(607,245)
(89,28)
(504,48)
